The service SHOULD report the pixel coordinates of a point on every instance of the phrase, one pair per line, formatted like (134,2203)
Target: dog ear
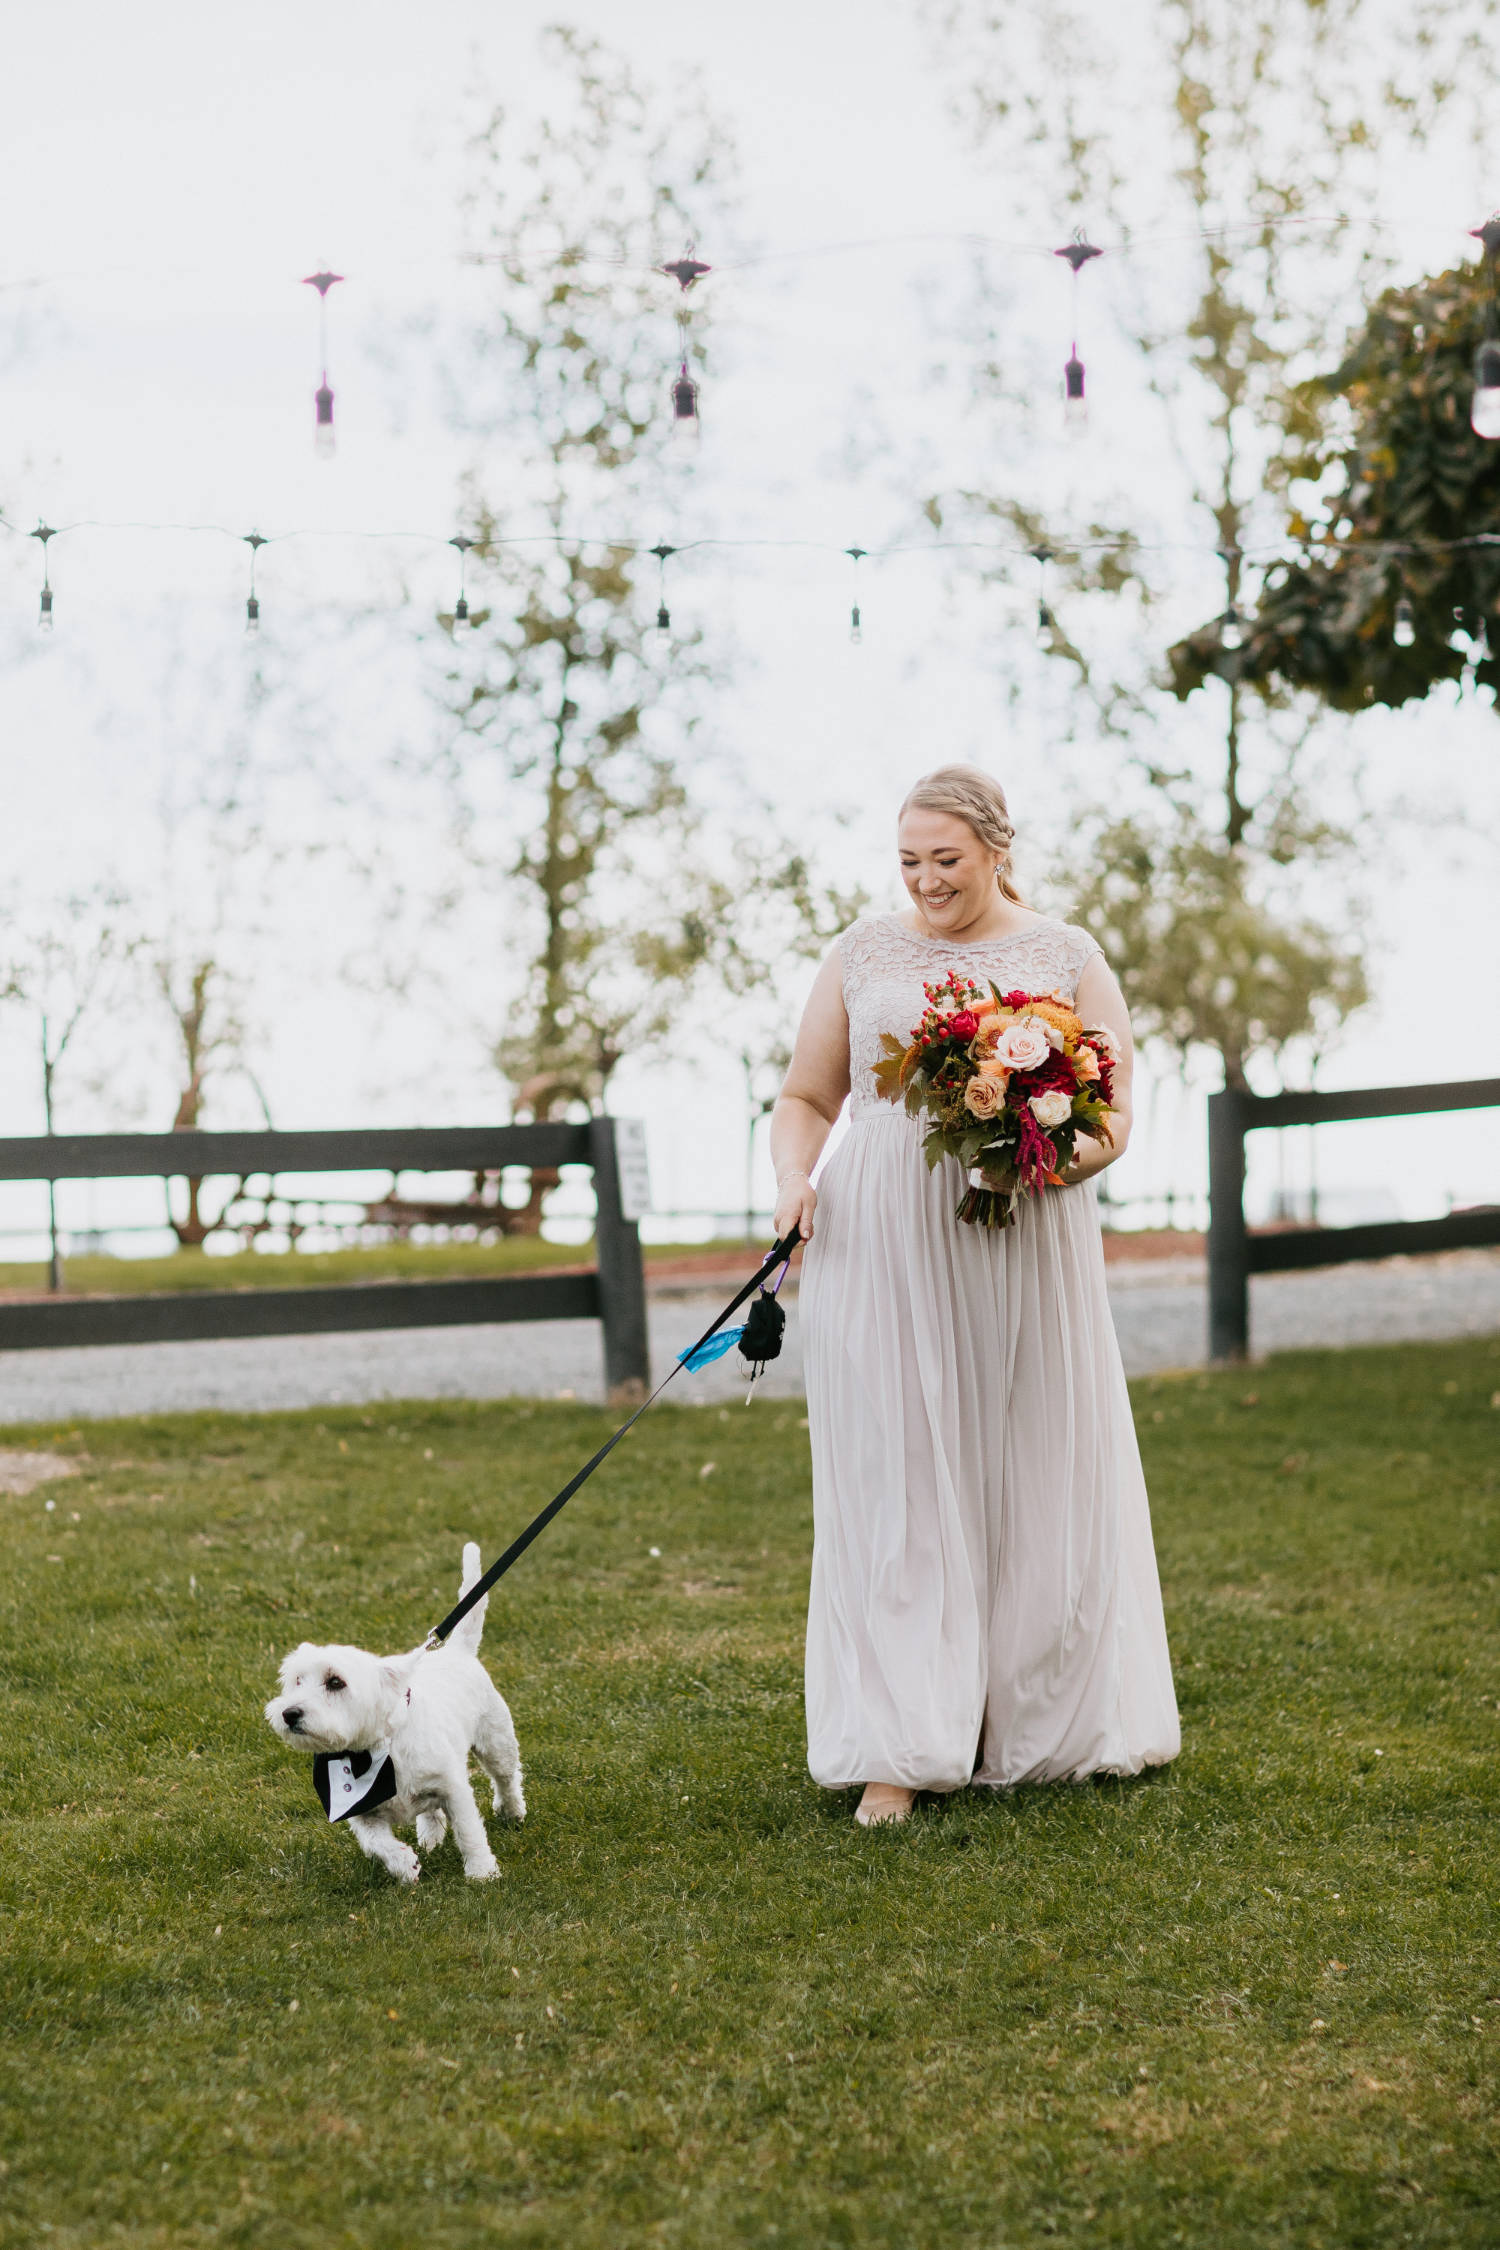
(396,1671)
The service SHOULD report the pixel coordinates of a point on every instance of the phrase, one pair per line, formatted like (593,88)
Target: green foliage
(1249,2000)
(1203,959)
(1260,117)
(571,773)
(1405,471)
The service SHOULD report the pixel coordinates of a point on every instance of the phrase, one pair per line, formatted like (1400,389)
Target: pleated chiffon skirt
(984,1583)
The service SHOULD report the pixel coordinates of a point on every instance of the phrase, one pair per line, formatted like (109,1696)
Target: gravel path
(1159,1311)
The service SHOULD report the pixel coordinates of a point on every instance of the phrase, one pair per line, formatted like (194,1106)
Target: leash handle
(781,1256)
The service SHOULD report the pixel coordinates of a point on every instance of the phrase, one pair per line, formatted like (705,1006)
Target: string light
(1075,405)
(687,271)
(663,615)
(1230,621)
(45,532)
(254,540)
(323,440)
(1046,623)
(686,427)
(1484,411)
(856,631)
(461,606)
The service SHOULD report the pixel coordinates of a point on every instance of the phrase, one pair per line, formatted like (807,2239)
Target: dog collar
(354,1783)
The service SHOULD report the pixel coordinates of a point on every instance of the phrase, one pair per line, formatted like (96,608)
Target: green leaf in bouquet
(935,1147)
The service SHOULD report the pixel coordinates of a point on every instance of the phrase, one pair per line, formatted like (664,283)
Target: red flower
(963,1025)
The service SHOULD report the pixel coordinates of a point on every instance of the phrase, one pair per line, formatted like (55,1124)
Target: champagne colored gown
(983,1571)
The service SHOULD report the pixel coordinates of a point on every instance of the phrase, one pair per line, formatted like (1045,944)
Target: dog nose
(292,1720)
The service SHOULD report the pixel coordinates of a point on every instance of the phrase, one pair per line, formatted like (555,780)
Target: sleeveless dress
(984,1583)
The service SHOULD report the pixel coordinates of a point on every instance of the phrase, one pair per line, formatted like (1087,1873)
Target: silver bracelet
(781,1183)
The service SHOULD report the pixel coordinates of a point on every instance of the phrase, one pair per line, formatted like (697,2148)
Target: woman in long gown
(984,1603)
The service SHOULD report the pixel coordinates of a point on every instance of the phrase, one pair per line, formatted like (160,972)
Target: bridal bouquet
(1009,1081)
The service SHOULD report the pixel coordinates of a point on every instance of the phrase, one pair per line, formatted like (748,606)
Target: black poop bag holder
(759,1342)
(765,1325)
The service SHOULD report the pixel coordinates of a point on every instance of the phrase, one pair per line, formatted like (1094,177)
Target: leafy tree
(1260,117)
(571,775)
(1403,505)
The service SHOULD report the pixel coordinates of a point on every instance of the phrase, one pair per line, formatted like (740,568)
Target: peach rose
(1023,1044)
(1086,1063)
(984,1096)
(1051,1109)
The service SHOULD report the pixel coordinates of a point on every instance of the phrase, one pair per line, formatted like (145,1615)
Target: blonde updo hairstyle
(971,796)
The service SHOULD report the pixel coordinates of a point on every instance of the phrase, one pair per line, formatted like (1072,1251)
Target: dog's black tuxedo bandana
(354,1783)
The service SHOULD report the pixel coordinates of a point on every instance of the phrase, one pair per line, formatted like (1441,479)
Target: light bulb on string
(1484,407)
(1046,623)
(856,630)
(663,615)
(686,427)
(1403,624)
(461,606)
(45,532)
(254,540)
(1078,252)
(687,271)
(323,438)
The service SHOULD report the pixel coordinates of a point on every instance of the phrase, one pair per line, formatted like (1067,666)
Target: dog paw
(483,1870)
(407,1870)
(431,1829)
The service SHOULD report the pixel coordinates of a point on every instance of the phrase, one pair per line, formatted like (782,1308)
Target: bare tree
(62,973)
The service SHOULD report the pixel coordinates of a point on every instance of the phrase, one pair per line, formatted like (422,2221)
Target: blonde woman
(984,1601)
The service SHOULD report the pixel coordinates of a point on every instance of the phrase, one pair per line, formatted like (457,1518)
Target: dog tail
(467,1635)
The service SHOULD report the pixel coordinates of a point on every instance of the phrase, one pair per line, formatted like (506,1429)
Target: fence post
(622,1281)
(1228,1246)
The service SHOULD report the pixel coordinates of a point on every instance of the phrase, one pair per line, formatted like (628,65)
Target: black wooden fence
(1234,1253)
(614,1293)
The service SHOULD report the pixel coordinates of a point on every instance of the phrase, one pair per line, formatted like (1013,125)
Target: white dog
(392,1737)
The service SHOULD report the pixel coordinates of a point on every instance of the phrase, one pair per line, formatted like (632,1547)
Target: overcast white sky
(169,171)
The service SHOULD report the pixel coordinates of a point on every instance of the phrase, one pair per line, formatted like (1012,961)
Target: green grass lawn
(1254,1999)
(387,1261)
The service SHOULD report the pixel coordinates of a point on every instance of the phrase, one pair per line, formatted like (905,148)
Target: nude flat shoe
(883,1802)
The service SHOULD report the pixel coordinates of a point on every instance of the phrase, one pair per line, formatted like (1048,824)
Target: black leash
(780,1256)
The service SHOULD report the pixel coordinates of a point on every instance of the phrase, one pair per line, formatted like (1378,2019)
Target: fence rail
(614,1293)
(1234,1253)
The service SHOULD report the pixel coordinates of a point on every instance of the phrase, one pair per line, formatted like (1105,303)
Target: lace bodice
(886,966)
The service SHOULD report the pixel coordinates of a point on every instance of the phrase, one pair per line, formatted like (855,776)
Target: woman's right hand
(796,1201)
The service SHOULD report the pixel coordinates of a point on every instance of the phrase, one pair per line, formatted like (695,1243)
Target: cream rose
(984,1096)
(1051,1109)
(1023,1044)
